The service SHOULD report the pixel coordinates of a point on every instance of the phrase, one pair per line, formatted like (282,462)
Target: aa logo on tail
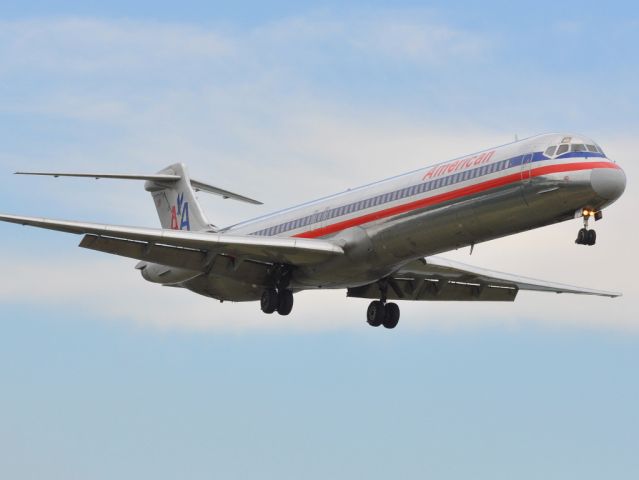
(181,210)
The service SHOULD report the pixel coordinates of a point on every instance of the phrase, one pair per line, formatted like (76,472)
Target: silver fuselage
(465,201)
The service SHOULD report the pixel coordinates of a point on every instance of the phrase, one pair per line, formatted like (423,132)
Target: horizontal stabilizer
(161,178)
(153,178)
(204,187)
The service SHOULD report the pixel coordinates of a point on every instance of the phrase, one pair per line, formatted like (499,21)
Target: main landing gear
(278,297)
(585,236)
(274,300)
(381,313)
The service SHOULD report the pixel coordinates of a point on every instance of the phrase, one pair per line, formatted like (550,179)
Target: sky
(104,375)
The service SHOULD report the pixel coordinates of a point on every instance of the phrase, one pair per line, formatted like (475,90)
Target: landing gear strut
(585,236)
(381,313)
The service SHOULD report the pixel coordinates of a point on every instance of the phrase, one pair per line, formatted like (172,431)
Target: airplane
(380,241)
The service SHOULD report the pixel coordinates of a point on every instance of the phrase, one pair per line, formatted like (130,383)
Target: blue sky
(105,375)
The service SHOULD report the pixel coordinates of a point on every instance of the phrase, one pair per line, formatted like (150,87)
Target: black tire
(269,300)
(582,236)
(391,317)
(591,238)
(285,304)
(375,313)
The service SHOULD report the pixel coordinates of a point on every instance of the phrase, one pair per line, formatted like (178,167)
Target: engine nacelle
(165,275)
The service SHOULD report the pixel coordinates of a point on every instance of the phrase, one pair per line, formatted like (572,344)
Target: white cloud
(419,37)
(93,45)
(122,48)
(422,42)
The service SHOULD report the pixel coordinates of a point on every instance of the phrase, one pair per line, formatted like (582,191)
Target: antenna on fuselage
(516,137)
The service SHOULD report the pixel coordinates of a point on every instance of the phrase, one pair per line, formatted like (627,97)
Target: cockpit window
(578,147)
(591,148)
(550,151)
(562,149)
(600,150)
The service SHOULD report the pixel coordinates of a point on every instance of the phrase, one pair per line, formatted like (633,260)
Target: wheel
(285,304)
(581,237)
(391,317)
(375,313)
(269,300)
(591,238)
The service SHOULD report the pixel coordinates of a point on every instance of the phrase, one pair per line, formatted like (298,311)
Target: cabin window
(562,149)
(550,151)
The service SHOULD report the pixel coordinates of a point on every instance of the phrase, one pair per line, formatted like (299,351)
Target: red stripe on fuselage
(452,195)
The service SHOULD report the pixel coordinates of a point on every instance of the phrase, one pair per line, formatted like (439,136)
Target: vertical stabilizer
(175,201)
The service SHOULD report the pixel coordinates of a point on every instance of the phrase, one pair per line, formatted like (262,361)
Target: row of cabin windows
(385,198)
(575,147)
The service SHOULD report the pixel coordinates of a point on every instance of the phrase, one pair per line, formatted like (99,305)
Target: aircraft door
(526,165)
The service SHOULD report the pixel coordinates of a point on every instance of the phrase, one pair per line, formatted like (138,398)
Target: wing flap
(441,269)
(435,278)
(435,290)
(294,251)
(177,257)
(461,272)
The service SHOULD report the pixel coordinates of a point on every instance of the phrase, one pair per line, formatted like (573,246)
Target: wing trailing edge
(289,250)
(435,278)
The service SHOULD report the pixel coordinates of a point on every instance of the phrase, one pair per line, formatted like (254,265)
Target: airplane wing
(435,278)
(186,249)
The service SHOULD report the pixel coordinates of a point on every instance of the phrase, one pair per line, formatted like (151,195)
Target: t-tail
(173,192)
(175,201)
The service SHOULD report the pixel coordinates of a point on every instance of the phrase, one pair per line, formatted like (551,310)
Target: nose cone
(608,183)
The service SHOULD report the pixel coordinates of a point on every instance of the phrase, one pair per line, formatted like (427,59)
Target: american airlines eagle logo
(180,210)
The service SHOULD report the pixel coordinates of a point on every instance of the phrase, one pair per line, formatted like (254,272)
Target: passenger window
(562,149)
(550,151)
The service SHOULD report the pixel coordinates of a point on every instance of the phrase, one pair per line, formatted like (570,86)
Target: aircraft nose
(608,183)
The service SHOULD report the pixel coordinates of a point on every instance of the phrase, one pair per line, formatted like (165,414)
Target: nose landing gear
(585,236)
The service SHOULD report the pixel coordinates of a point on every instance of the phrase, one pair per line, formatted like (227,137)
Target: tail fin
(175,201)
(173,192)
